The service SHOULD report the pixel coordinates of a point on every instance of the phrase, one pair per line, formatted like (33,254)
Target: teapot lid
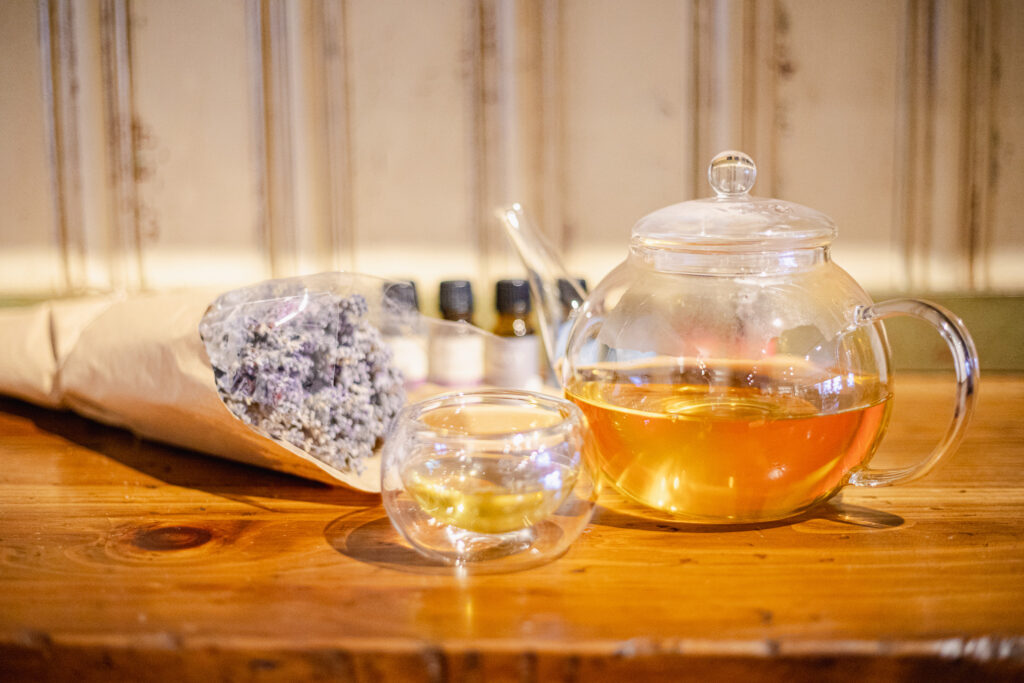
(733,220)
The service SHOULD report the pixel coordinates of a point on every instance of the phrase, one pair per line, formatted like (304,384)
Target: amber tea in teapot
(734,449)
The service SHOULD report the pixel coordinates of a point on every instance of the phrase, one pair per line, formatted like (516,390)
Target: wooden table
(129,560)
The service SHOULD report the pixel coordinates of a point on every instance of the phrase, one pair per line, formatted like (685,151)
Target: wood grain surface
(127,560)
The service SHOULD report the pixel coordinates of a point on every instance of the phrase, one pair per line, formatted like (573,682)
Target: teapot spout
(556,295)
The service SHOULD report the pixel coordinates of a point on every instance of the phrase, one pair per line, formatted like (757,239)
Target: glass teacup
(489,480)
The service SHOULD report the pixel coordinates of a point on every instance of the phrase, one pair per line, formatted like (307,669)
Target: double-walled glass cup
(489,480)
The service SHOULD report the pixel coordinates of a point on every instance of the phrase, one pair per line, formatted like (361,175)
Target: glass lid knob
(732,174)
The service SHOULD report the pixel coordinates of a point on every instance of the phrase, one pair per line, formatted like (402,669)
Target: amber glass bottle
(513,357)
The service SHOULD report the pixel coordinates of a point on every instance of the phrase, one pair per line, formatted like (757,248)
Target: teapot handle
(965,360)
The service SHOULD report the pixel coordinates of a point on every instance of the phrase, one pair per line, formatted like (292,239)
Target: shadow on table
(367,536)
(180,467)
(616,512)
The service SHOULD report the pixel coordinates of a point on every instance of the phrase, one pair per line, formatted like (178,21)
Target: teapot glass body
(729,390)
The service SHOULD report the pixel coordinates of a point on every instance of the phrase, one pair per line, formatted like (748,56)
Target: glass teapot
(729,370)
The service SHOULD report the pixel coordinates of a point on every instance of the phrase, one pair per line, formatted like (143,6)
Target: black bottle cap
(403,294)
(566,292)
(512,296)
(456,297)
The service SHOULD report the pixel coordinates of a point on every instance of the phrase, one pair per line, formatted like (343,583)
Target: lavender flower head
(306,367)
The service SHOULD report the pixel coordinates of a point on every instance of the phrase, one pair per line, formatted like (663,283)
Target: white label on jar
(410,357)
(457,359)
(514,362)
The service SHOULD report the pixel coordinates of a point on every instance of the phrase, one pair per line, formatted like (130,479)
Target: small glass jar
(456,349)
(513,357)
(489,480)
(403,331)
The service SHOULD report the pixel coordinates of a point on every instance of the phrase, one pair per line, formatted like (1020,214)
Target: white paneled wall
(413,138)
(32,242)
(627,128)
(196,132)
(153,144)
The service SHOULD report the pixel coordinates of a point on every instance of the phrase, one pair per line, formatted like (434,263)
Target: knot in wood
(171,537)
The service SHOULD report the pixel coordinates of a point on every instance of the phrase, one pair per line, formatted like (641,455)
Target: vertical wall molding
(61,92)
(912,134)
(122,131)
(551,139)
(919,126)
(278,126)
(720,41)
(763,62)
(945,144)
(53,141)
(258,108)
(331,30)
(980,137)
(516,76)
(479,39)
(735,60)
(302,88)
(703,74)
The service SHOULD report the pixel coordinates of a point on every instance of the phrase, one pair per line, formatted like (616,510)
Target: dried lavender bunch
(310,370)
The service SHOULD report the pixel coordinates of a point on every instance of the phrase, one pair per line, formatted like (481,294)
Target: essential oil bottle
(403,331)
(513,356)
(456,301)
(456,351)
(569,298)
